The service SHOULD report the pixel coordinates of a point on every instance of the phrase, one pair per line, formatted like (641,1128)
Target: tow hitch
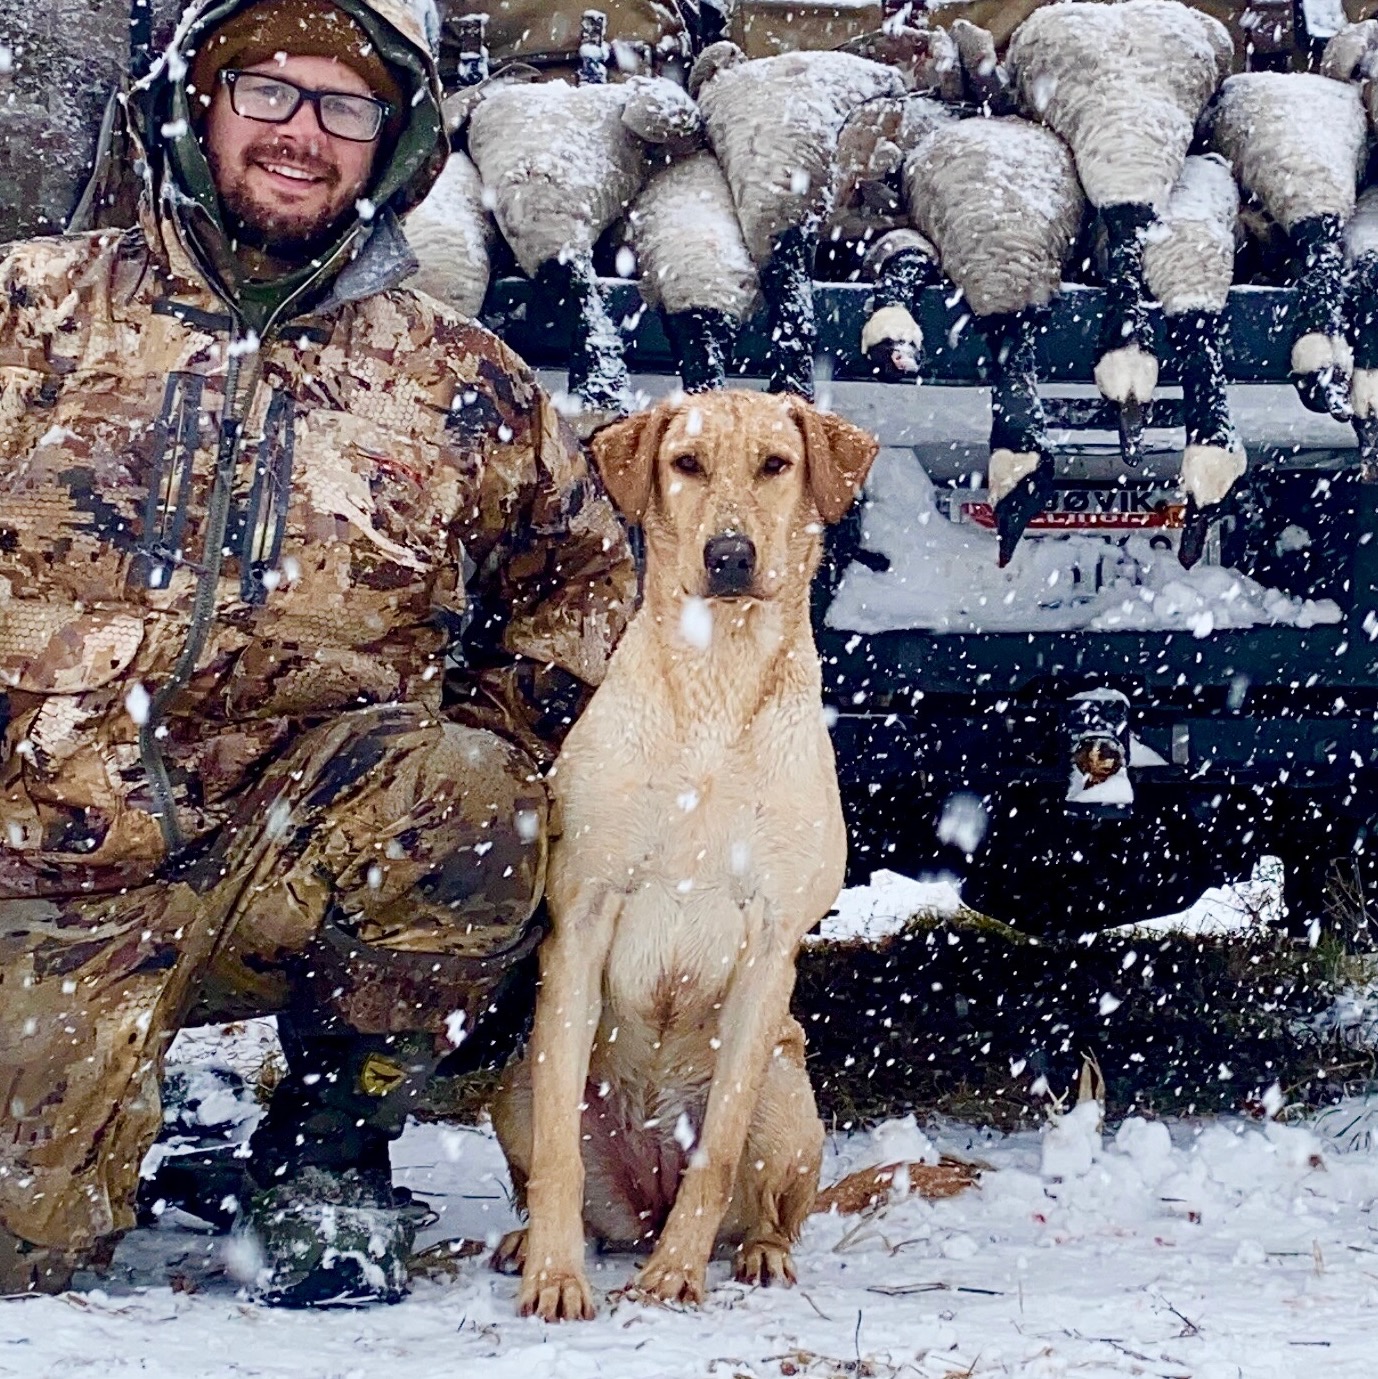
(1098,744)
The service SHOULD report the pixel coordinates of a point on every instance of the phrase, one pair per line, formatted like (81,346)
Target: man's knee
(465,860)
(431,936)
(407,834)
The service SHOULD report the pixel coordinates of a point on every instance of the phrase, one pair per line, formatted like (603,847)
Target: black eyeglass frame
(230,76)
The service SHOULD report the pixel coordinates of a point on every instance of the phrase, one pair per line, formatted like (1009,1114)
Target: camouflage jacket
(391,482)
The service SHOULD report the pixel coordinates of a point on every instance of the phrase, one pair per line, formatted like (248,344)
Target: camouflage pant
(387,860)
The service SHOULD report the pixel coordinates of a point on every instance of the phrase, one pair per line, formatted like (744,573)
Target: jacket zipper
(207,589)
(217,525)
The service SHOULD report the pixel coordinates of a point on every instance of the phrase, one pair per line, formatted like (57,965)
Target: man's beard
(288,235)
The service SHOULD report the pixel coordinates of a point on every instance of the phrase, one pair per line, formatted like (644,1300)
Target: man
(256,493)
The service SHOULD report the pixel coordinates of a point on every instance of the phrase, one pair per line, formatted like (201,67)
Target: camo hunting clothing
(217,556)
(398,856)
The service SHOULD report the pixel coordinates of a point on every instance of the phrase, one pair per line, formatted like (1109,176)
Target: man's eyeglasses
(274,100)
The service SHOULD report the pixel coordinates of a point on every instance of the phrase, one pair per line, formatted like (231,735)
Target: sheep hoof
(1325,390)
(1131,421)
(896,361)
(1020,506)
(1210,471)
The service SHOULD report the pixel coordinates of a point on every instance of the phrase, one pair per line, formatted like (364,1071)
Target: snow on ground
(1238,907)
(943,576)
(1221,1248)
(883,906)
(1212,1249)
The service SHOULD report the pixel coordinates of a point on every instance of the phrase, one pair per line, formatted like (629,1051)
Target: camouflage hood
(406,34)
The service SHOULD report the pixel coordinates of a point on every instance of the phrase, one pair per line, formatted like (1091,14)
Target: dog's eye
(687,464)
(775,464)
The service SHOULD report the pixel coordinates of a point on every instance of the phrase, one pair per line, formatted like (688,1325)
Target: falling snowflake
(137,703)
(696,623)
(963,822)
(684,1132)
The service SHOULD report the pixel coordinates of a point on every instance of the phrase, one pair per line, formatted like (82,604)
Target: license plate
(1107,513)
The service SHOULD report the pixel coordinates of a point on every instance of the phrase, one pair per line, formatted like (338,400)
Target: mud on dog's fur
(663,1098)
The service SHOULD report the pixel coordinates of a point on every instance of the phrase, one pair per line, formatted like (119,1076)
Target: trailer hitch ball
(1097,736)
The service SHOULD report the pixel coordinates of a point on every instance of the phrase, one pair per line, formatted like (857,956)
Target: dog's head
(733,488)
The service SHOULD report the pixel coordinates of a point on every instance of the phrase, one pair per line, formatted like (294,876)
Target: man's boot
(26,1268)
(322,1222)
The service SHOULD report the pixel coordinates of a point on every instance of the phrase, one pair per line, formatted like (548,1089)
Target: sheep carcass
(1124,85)
(1296,141)
(452,235)
(693,265)
(999,201)
(869,208)
(1189,265)
(560,164)
(1352,56)
(774,124)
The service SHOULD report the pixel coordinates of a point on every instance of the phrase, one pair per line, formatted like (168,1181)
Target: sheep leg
(598,380)
(703,339)
(1213,458)
(1126,366)
(593,48)
(1363,388)
(1021,466)
(1321,356)
(473,50)
(904,263)
(787,286)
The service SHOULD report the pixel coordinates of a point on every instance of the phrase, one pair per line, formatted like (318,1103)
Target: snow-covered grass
(874,911)
(884,905)
(1240,908)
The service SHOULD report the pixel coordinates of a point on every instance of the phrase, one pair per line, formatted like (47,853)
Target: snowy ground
(1203,1249)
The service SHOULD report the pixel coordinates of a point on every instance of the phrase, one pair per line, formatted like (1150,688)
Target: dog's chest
(694,870)
(702,833)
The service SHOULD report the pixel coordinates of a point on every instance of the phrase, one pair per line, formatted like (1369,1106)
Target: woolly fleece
(1189,252)
(1124,85)
(1000,199)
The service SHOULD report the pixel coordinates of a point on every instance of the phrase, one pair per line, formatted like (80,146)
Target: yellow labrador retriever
(663,1096)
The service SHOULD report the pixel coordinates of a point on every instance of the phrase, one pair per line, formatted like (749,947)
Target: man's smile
(293,174)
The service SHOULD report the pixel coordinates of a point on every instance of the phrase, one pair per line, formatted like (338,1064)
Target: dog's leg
(753,1013)
(777,1179)
(568,1007)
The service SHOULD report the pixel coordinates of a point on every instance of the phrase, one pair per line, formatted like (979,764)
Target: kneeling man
(258,494)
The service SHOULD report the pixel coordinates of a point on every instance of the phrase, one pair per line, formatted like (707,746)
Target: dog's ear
(625,454)
(838,457)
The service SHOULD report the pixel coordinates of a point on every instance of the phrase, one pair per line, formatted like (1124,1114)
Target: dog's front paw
(556,1293)
(765,1262)
(667,1278)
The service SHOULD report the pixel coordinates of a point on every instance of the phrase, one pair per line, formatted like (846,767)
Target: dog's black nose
(730,560)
